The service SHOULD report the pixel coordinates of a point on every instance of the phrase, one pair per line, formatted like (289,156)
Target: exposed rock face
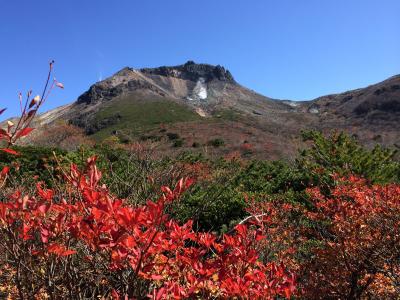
(192,71)
(154,80)
(97,92)
(101,92)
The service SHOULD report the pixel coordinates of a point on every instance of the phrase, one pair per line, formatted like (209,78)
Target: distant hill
(201,103)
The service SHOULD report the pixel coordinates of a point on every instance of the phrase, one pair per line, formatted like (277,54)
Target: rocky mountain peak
(127,80)
(192,71)
(124,72)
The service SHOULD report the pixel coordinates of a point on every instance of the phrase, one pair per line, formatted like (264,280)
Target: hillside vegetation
(226,192)
(134,117)
(118,221)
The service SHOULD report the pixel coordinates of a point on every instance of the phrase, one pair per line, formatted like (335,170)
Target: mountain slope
(376,104)
(201,103)
(371,113)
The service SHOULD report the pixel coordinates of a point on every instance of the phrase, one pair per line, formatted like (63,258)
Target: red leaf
(3,133)
(156,277)
(287,292)
(54,248)
(44,233)
(25,232)
(115,295)
(24,132)
(44,193)
(158,294)
(130,241)
(9,151)
(241,229)
(59,250)
(166,190)
(5,171)
(68,252)
(42,208)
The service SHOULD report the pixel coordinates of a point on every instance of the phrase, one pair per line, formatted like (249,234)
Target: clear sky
(287,49)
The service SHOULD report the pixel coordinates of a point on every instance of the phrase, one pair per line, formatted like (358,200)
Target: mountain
(371,113)
(199,104)
(378,104)
(201,90)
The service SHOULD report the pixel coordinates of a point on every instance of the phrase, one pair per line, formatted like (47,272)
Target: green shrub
(33,162)
(177,143)
(216,142)
(339,153)
(153,138)
(172,136)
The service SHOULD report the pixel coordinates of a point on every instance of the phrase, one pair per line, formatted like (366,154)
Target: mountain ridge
(210,97)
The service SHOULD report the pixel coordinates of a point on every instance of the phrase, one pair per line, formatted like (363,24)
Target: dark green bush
(172,136)
(33,162)
(177,143)
(341,154)
(216,142)
(153,138)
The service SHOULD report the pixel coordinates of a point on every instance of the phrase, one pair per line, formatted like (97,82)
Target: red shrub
(82,242)
(159,257)
(359,224)
(346,247)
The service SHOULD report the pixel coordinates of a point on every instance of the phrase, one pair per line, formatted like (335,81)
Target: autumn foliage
(85,243)
(323,236)
(95,243)
(359,224)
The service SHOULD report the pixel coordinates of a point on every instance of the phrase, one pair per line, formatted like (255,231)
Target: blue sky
(286,49)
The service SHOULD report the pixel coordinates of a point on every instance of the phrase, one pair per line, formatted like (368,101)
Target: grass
(228,114)
(137,116)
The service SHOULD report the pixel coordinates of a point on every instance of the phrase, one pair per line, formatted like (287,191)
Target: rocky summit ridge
(192,71)
(151,79)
